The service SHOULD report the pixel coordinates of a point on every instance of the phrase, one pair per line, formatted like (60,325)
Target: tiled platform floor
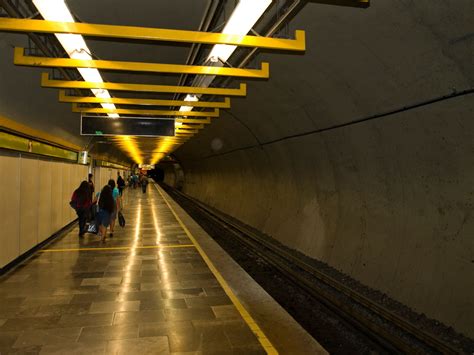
(146,290)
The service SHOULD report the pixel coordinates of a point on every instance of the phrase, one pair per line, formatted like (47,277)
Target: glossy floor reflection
(146,290)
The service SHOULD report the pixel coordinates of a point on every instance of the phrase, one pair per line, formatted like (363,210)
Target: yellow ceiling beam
(20,59)
(185,126)
(63,84)
(183,134)
(178,130)
(215,113)
(152,34)
(166,139)
(192,120)
(129,101)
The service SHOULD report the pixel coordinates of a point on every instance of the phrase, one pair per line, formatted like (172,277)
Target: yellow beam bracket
(215,113)
(21,59)
(62,84)
(128,101)
(152,34)
(191,120)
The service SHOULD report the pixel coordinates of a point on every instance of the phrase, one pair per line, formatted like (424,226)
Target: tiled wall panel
(56,196)
(34,200)
(44,203)
(9,208)
(66,193)
(29,184)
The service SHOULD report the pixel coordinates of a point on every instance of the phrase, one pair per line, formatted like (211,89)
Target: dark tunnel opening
(157,174)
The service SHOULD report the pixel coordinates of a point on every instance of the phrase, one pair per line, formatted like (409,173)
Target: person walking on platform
(81,201)
(106,208)
(135,181)
(117,205)
(143,182)
(120,183)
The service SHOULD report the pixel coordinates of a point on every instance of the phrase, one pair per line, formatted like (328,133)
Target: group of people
(138,180)
(102,207)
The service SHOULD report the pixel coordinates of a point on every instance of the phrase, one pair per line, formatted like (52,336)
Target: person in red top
(81,201)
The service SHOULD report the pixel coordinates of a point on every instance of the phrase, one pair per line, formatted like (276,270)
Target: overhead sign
(126,126)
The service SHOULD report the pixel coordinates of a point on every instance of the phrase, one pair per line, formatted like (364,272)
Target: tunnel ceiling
(358,62)
(23,100)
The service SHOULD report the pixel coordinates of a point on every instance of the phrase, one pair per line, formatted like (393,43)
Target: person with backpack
(117,205)
(143,182)
(120,184)
(106,208)
(81,201)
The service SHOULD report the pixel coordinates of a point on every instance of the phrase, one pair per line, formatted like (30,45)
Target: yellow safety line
(120,248)
(262,338)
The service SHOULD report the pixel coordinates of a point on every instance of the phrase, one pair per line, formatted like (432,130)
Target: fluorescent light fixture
(74,45)
(243,18)
(189,98)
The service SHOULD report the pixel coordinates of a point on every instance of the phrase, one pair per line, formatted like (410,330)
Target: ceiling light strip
(73,44)
(241,21)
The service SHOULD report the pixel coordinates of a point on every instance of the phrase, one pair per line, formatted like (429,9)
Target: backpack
(74,203)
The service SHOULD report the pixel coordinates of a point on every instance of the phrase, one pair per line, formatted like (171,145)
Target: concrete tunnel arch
(360,153)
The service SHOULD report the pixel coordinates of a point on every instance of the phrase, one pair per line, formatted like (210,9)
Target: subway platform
(160,285)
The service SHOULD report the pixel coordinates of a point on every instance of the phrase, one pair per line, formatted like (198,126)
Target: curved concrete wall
(173,175)
(388,200)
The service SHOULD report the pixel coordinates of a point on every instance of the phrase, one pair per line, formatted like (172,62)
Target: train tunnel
(333,138)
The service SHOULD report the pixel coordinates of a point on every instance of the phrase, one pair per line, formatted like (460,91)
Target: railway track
(393,333)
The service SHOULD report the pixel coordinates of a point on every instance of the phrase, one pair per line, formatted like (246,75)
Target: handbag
(94,209)
(92,228)
(121,219)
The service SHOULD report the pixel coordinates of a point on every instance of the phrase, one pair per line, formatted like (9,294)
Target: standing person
(91,185)
(117,205)
(81,201)
(106,208)
(120,184)
(144,182)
